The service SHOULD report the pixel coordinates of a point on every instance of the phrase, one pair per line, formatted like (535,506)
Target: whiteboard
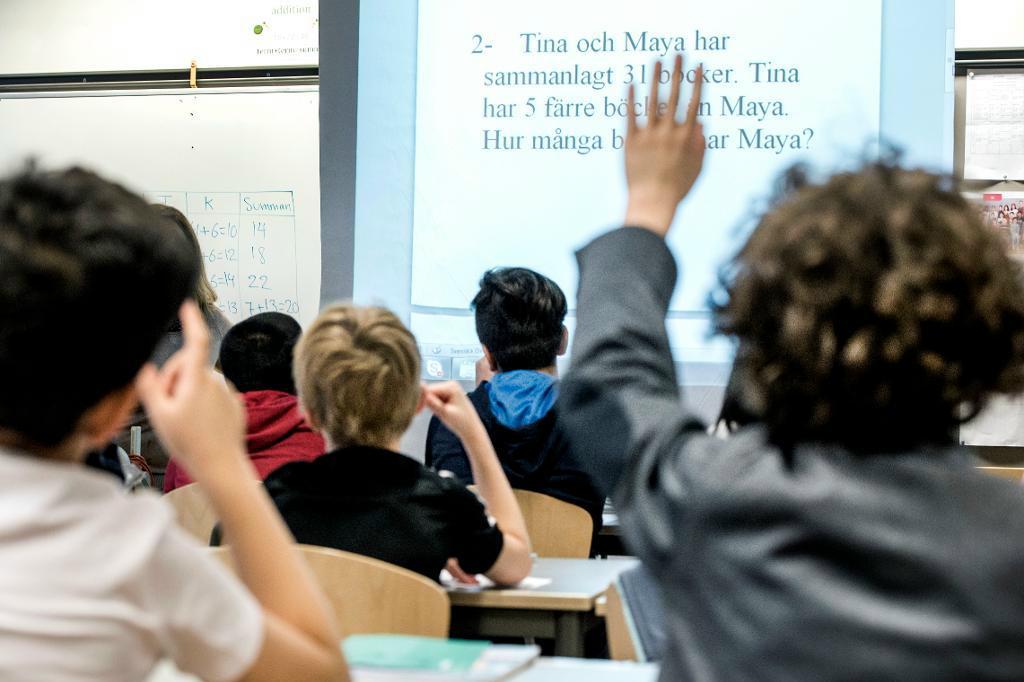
(989,24)
(243,165)
(81,36)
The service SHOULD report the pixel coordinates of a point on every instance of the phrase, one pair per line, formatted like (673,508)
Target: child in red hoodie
(256,356)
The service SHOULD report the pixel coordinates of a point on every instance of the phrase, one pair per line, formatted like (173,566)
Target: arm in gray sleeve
(620,402)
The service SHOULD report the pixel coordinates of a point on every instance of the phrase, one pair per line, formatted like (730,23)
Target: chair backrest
(194,511)
(1015,474)
(373,597)
(557,529)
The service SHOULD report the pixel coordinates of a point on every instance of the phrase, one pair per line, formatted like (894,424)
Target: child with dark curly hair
(843,535)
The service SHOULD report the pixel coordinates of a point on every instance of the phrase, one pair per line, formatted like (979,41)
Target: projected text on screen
(520,124)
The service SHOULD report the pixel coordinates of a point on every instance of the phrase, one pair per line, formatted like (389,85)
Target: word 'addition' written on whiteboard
(248,244)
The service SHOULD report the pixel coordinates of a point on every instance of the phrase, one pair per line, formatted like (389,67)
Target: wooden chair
(557,529)
(621,646)
(194,511)
(373,597)
(635,618)
(1015,474)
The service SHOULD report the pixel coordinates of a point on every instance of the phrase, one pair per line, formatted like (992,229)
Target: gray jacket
(814,564)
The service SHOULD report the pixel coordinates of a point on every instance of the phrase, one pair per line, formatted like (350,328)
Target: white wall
(989,24)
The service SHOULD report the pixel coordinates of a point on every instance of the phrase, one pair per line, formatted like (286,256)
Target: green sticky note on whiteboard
(402,652)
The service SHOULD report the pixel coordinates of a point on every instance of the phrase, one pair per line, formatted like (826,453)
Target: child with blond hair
(357,371)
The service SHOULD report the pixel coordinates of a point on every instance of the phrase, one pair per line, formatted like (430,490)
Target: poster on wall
(1003,212)
(1001,423)
(994,130)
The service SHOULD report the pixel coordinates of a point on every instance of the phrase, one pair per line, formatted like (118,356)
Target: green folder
(400,652)
(450,658)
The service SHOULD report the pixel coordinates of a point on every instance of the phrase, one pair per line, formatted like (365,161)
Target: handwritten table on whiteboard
(248,244)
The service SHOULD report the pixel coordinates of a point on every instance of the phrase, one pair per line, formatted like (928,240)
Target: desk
(561,610)
(1015,474)
(544,670)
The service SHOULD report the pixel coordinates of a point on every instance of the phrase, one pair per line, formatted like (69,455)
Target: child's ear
(422,401)
(563,347)
(490,359)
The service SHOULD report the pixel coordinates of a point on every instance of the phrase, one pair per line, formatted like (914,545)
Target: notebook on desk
(485,583)
(386,658)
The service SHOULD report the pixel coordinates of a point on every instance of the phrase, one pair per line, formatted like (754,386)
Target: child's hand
(197,416)
(664,158)
(459,575)
(451,405)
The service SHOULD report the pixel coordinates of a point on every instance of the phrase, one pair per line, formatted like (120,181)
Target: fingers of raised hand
(674,92)
(693,110)
(147,384)
(669,117)
(196,335)
(631,119)
(653,99)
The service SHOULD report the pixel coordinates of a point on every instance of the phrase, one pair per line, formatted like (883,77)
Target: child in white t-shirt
(96,584)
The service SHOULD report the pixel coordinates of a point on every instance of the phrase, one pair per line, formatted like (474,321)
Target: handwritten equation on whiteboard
(248,244)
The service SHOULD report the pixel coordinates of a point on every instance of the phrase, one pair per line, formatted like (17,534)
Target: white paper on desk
(994,131)
(485,583)
(1000,423)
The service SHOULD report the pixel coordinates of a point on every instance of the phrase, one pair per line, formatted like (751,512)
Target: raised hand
(197,416)
(665,157)
(449,402)
(451,405)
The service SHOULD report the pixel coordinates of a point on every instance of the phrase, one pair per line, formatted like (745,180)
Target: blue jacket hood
(521,397)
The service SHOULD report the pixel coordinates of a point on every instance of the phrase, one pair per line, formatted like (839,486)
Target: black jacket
(387,506)
(812,564)
(536,457)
